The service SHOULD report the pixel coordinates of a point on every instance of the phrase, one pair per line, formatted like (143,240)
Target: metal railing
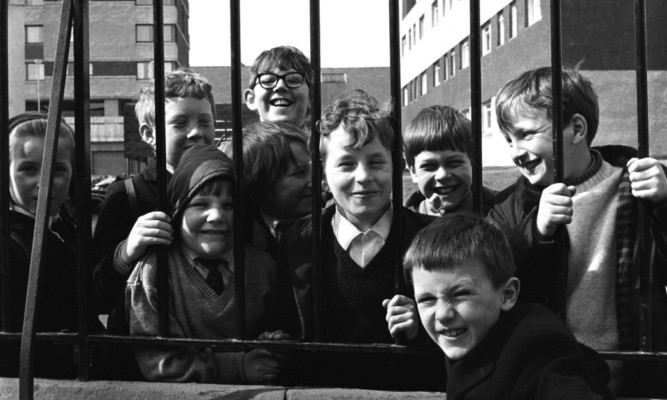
(75,13)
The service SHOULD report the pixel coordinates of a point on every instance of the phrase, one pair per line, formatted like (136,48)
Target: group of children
(472,282)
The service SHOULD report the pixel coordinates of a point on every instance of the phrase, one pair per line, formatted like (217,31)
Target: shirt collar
(191,256)
(346,232)
(270,222)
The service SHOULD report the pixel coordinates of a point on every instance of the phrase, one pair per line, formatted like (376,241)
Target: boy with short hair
(57,301)
(495,347)
(276,180)
(128,223)
(279,86)
(201,283)
(596,205)
(437,146)
(359,238)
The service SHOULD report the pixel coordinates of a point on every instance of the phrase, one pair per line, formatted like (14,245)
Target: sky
(354,33)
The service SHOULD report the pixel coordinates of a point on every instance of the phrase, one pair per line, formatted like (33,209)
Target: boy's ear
(510,293)
(579,128)
(249,97)
(412,169)
(147,134)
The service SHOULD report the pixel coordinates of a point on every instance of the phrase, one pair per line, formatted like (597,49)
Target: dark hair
(282,57)
(33,124)
(267,154)
(533,89)
(437,128)
(454,238)
(184,82)
(361,117)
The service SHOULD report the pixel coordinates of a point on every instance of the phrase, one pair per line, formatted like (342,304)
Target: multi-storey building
(121,54)
(597,36)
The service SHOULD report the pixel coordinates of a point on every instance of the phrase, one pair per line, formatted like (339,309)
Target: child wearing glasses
(279,87)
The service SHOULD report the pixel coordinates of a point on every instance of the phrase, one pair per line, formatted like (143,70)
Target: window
(421,27)
(145,69)
(34,34)
(487,117)
(410,39)
(465,54)
(514,23)
(486,39)
(434,13)
(414,90)
(453,68)
(445,74)
(533,12)
(145,33)
(414,37)
(70,69)
(35,71)
(501,29)
(334,78)
(150,2)
(424,83)
(403,45)
(406,96)
(436,73)
(451,3)
(34,2)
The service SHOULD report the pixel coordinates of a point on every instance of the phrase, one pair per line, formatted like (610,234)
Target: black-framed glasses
(270,80)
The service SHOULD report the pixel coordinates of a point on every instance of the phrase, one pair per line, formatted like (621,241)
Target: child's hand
(555,208)
(402,316)
(262,366)
(648,180)
(150,229)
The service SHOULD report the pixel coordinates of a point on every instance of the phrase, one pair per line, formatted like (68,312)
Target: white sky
(354,33)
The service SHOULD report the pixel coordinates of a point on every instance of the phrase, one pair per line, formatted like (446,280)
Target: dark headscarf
(199,165)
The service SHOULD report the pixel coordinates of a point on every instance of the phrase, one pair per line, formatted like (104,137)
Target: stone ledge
(46,389)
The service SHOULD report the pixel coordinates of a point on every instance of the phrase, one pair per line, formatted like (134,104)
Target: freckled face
(458,305)
(25,171)
(359,179)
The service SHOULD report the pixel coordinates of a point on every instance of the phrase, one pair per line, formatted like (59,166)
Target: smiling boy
(596,207)
(279,86)
(462,270)
(201,284)
(437,146)
(359,237)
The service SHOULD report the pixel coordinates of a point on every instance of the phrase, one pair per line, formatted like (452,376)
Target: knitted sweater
(195,311)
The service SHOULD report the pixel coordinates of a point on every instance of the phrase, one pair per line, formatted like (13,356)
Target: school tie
(214,278)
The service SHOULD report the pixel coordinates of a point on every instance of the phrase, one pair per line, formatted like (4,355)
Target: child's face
(459,305)
(291,194)
(188,121)
(531,146)
(208,222)
(359,179)
(281,103)
(447,173)
(25,171)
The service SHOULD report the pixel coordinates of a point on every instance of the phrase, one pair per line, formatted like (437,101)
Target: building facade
(597,38)
(121,54)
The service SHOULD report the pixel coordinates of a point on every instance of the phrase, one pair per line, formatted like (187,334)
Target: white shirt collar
(346,232)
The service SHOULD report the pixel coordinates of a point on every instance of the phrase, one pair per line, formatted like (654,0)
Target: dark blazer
(528,354)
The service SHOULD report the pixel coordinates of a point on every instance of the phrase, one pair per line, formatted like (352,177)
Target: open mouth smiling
(453,333)
(530,166)
(444,190)
(281,102)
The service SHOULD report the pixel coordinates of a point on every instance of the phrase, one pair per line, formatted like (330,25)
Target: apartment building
(597,35)
(121,54)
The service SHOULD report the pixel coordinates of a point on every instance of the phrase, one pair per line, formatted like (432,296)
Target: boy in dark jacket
(495,347)
(597,207)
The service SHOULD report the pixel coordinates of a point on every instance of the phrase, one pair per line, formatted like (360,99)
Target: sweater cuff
(119,263)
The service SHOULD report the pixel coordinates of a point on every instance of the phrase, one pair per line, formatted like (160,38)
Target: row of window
(36,70)
(137,2)
(34,34)
(446,67)
(533,14)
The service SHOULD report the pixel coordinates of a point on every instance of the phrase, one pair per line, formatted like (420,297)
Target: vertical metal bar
(645,267)
(161,163)
(315,111)
(82,173)
(39,240)
(237,143)
(476,104)
(5,307)
(557,136)
(397,151)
